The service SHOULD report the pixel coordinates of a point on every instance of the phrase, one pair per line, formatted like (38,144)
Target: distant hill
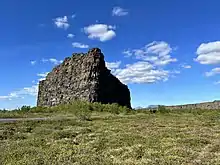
(152,106)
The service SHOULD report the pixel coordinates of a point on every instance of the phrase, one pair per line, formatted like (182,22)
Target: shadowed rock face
(84,77)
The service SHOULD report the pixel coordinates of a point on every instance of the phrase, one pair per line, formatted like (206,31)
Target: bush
(86,108)
(97,107)
(162,109)
(82,110)
(153,110)
(115,108)
(42,110)
(25,108)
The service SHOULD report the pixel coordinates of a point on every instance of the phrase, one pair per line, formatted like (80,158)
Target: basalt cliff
(83,76)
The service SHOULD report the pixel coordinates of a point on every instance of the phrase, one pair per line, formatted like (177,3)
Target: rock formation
(84,77)
(206,105)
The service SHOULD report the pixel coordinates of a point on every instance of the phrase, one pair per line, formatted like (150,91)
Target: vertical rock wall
(84,77)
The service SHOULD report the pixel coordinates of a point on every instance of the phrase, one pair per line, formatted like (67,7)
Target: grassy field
(119,137)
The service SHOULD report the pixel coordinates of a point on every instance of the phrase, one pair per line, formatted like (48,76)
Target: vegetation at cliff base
(82,134)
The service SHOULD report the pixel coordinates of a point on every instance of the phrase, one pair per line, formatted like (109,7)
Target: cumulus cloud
(70,35)
(113,65)
(52,60)
(141,72)
(26,91)
(61,22)
(213,72)
(79,45)
(102,32)
(208,53)
(153,57)
(157,53)
(118,11)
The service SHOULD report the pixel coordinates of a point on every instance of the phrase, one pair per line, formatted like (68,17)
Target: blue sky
(167,52)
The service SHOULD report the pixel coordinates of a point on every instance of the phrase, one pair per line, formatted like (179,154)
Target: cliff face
(84,77)
(205,105)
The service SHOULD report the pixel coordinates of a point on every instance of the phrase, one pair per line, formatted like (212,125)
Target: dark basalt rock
(82,77)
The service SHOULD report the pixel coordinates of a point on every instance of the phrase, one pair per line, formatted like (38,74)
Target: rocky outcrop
(84,77)
(206,105)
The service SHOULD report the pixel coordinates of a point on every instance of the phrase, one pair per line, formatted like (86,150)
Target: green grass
(80,109)
(114,137)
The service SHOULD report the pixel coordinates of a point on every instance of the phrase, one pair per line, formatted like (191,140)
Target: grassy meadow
(95,134)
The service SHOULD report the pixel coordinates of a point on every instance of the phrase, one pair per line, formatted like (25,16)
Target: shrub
(84,108)
(162,109)
(115,108)
(25,108)
(153,110)
(81,110)
(97,107)
(42,109)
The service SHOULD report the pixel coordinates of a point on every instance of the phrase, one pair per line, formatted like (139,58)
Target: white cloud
(61,22)
(101,32)
(9,97)
(55,61)
(127,53)
(26,91)
(153,57)
(142,72)
(175,72)
(118,11)
(112,27)
(113,65)
(208,53)
(52,60)
(29,90)
(157,53)
(33,62)
(79,45)
(44,60)
(70,35)
(42,76)
(213,72)
(185,66)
